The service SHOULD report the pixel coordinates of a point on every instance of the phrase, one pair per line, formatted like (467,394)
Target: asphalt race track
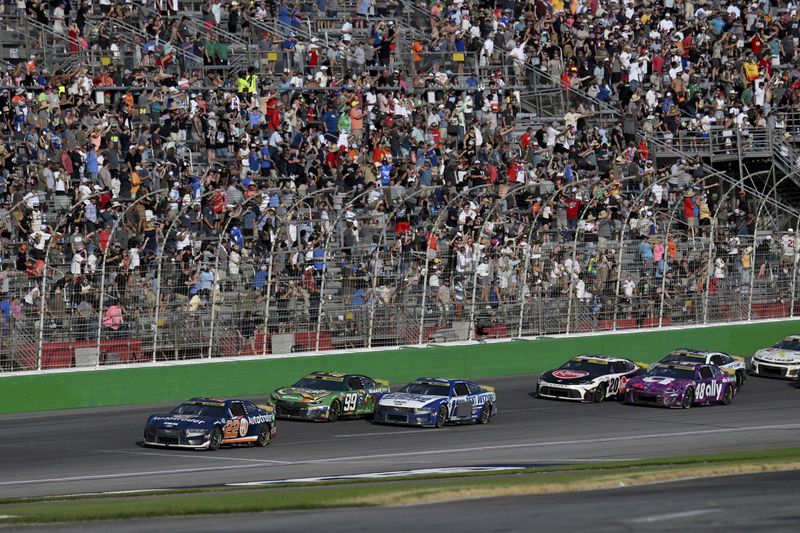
(758,502)
(97,450)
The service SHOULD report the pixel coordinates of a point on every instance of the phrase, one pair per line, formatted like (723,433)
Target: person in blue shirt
(253,160)
(260,279)
(331,121)
(646,251)
(266,160)
(385,173)
(236,237)
(288,50)
(718,24)
(92,168)
(285,15)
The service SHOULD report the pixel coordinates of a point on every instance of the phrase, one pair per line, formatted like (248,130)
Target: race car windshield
(788,345)
(427,389)
(320,384)
(667,372)
(684,357)
(586,366)
(198,409)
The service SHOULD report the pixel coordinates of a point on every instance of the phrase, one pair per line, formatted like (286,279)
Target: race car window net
(461,389)
(237,409)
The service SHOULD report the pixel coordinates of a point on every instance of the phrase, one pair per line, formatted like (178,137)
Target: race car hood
(776,355)
(569,377)
(413,401)
(657,386)
(182,421)
(295,395)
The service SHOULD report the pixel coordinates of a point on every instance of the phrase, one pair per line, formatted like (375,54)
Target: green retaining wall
(133,385)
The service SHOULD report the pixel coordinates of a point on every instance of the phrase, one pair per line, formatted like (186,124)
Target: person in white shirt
(789,244)
(78,259)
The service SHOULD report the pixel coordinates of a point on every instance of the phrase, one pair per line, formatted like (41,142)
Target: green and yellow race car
(328,396)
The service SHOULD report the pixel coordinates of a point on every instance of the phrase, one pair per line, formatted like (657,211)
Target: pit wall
(256,378)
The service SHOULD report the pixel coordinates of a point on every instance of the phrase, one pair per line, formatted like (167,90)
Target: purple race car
(681,385)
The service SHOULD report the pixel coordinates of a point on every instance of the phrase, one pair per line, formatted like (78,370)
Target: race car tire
(688,398)
(264,435)
(486,413)
(333,412)
(741,377)
(215,440)
(441,416)
(727,398)
(599,393)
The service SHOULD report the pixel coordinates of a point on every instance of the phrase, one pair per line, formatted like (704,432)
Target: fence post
(794,269)
(752,272)
(667,234)
(325,256)
(273,242)
(524,285)
(179,214)
(114,228)
(43,289)
(217,280)
(434,230)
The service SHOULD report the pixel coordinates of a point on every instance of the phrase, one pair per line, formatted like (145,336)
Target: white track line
(125,474)
(558,443)
(672,516)
(361,458)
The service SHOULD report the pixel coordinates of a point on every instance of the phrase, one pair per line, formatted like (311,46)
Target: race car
(780,361)
(730,364)
(208,423)
(434,402)
(328,396)
(681,385)
(588,378)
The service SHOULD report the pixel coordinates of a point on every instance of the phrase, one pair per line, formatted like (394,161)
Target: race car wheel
(599,394)
(333,412)
(728,396)
(486,413)
(741,377)
(688,398)
(441,416)
(264,435)
(215,440)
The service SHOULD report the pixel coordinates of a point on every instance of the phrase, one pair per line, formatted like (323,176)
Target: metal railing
(308,279)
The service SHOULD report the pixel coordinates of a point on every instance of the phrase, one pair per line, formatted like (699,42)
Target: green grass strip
(221,500)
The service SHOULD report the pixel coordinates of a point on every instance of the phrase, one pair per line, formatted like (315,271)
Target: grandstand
(196,179)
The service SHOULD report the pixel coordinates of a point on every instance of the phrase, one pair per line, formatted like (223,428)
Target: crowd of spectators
(365,174)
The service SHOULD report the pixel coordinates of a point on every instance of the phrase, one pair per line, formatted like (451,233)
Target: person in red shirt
(688,211)
(525,141)
(658,64)
(573,210)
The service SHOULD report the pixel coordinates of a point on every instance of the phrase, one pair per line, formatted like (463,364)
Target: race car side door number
(350,401)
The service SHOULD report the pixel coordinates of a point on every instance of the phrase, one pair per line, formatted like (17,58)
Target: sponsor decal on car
(177,419)
(569,374)
(260,419)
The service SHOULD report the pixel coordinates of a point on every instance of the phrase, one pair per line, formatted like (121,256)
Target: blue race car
(434,402)
(208,423)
